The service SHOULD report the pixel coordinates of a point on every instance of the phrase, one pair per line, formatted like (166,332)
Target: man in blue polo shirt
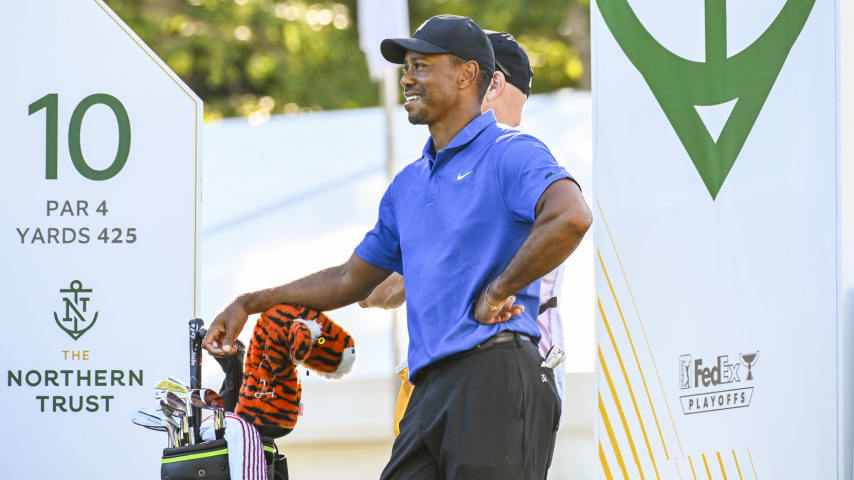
(472,225)
(506,97)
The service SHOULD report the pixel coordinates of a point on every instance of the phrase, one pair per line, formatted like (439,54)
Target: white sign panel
(717,269)
(98,239)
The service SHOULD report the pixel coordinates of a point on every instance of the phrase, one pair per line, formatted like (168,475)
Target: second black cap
(453,34)
(512,60)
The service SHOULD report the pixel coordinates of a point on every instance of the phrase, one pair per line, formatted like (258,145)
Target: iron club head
(154,420)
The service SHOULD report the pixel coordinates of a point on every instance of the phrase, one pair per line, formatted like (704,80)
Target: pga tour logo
(723,383)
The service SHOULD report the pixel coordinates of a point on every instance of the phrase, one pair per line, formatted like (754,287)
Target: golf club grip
(196,372)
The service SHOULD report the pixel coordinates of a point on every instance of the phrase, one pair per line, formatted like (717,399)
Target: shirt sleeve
(381,246)
(525,170)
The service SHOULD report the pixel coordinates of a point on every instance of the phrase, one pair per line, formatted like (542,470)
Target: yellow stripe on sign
(631,393)
(694,473)
(620,410)
(736,465)
(645,337)
(678,471)
(612,438)
(721,462)
(750,456)
(706,463)
(640,370)
(604,462)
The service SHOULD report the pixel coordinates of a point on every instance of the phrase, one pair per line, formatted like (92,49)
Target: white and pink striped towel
(245,451)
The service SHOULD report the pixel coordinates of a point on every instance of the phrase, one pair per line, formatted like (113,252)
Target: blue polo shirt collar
(461,139)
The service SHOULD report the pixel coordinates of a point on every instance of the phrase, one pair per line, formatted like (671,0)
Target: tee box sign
(98,239)
(719,284)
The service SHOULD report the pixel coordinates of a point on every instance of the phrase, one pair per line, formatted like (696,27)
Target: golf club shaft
(195,375)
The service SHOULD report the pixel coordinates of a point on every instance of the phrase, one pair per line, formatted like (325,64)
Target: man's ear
(496,86)
(467,74)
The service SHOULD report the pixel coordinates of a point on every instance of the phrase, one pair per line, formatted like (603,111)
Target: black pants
(490,413)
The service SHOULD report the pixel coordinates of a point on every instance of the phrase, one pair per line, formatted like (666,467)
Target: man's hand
(489,310)
(389,294)
(224,330)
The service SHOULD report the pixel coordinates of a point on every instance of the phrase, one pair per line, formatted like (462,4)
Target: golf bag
(209,461)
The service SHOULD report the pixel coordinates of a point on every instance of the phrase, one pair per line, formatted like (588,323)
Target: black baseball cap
(512,60)
(444,34)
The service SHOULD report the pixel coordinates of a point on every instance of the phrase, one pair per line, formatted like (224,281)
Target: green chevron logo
(686,89)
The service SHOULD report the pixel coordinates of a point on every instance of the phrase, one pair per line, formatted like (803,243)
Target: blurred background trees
(255,58)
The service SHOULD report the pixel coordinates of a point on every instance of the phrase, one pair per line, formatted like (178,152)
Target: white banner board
(97,236)
(716,173)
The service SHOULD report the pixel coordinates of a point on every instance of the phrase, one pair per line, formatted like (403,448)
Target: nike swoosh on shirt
(548,175)
(461,176)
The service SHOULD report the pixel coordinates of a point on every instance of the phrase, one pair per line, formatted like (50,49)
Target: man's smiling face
(429,86)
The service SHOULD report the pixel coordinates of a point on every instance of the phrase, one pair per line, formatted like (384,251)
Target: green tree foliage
(259,57)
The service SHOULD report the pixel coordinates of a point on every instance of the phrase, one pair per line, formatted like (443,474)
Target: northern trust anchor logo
(687,90)
(722,383)
(77,318)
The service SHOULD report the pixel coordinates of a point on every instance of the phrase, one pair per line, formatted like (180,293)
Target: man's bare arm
(391,293)
(325,290)
(562,219)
